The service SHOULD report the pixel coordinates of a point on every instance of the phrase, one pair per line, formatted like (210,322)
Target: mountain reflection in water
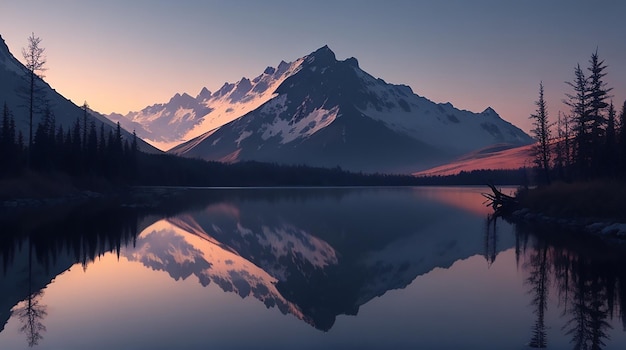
(314,257)
(317,254)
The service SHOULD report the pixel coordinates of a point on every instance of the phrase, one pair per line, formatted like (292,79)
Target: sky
(122,56)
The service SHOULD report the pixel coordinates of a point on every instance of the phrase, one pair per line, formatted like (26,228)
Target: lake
(307,268)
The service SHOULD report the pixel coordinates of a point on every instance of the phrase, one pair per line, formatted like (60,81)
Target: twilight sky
(122,55)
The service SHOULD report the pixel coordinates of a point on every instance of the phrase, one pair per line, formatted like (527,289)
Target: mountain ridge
(166,125)
(331,113)
(406,125)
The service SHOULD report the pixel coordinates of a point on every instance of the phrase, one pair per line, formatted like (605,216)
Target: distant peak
(324,50)
(489,110)
(180,99)
(324,55)
(352,62)
(204,94)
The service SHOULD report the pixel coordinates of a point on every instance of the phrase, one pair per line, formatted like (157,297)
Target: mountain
(331,113)
(184,117)
(14,87)
(320,111)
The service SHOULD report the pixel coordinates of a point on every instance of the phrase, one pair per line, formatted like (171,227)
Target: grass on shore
(601,199)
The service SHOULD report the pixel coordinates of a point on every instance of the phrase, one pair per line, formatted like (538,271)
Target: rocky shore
(600,227)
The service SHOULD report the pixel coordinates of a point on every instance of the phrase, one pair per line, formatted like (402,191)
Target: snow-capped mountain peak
(329,112)
(321,111)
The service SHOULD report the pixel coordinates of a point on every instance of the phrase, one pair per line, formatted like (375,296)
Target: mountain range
(320,111)
(14,87)
(315,111)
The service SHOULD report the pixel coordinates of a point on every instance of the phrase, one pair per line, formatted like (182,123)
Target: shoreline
(604,228)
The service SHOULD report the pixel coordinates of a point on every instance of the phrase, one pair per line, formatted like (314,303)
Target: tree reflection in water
(538,281)
(585,272)
(51,247)
(31,314)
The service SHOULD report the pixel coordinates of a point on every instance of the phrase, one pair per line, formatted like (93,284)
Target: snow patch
(244,135)
(182,114)
(315,121)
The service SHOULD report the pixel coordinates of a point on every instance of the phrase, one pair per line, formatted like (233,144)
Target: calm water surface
(378,268)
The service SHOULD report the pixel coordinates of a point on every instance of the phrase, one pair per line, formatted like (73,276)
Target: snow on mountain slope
(185,117)
(441,125)
(331,113)
(14,87)
(501,157)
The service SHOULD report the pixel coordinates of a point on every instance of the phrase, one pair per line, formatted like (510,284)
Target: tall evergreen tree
(541,134)
(85,107)
(118,137)
(91,154)
(580,109)
(598,96)
(42,149)
(76,148)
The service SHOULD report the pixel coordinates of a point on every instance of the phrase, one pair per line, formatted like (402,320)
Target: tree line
(589,141)
(81,150)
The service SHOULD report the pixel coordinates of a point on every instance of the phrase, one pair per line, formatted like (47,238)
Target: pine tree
(85,107)
(76,149)
(567,143)
(134,153)
(579,103)
(541,134)
(42,149)
(91,158)
(135,145)
(118,138)
(598,96)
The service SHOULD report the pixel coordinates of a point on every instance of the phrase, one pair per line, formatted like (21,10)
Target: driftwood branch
(500,202)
